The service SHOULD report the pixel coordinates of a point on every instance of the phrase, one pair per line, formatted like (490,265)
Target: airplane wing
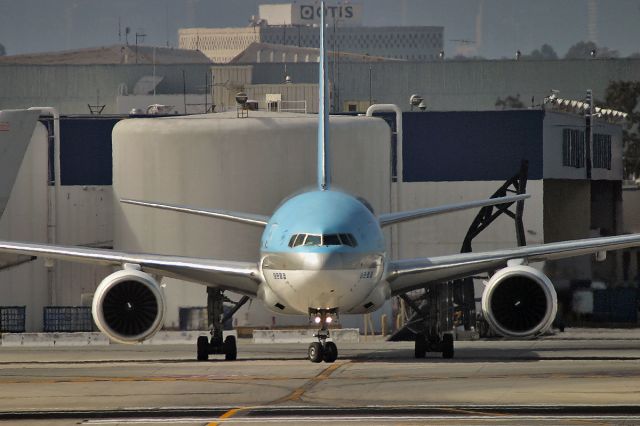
(391,218)
(240,277)
(249,218)
(410,274)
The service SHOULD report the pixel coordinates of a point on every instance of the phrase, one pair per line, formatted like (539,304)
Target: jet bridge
(16,129)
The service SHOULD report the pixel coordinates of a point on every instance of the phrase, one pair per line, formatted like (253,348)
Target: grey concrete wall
(443,234)
(631,209)
(567,216)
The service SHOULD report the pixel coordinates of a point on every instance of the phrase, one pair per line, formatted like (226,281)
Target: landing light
(328,320)
(317,320)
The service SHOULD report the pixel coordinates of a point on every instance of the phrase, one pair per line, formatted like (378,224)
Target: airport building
(483,146)
(293,24)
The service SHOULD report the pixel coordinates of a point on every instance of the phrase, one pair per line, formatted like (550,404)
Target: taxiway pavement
(579,374)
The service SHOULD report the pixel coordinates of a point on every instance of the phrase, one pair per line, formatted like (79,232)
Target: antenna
(140,36)
(166,22)
(324,177)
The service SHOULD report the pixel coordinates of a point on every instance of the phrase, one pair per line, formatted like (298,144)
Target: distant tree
(545,52)
(625,96)
(510,102)
(584,49)
(635,55)
(3,51)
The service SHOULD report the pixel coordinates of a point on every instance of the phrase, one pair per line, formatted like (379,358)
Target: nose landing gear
(322,350)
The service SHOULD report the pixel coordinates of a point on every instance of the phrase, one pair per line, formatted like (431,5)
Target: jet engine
(129,306)
(519,301)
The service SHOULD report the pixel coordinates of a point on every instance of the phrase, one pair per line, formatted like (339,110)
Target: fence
(12,319)
(67,319)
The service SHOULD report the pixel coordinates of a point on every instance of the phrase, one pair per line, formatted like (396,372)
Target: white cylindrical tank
(239,164)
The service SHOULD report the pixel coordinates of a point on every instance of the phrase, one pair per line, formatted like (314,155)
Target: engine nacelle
(129,306)
(519,301)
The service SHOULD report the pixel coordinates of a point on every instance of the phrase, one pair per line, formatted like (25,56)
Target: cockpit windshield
(316,240)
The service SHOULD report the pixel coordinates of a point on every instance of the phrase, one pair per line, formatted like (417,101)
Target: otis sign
(345,15)
(307,13)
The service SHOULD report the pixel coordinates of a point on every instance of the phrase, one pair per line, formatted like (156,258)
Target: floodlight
(415,100)
(241,98)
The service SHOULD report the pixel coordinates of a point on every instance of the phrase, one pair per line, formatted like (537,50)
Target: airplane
(322,254)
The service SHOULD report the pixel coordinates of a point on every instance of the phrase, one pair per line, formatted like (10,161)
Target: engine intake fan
(129,306)
(519,301)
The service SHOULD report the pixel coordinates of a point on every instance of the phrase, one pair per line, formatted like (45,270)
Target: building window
(573,148)
(602,151)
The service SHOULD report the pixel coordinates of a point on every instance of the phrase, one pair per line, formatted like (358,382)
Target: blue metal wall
(438,146)
(85,148)
(471,146)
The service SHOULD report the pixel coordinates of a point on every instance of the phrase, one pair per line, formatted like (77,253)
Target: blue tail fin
(324,171)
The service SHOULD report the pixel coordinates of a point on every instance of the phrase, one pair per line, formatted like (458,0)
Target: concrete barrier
(343,335)
(182,337)
(54,339)
(97,338)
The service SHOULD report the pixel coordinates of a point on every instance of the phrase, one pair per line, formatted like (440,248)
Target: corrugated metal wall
(445,85)
(461,85)
(71,87)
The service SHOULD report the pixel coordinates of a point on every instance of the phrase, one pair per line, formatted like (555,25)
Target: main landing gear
(217,318)
(433,343)
(432,321)
(322,350)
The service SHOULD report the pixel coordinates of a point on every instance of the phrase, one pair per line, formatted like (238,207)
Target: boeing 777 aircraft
(322,254)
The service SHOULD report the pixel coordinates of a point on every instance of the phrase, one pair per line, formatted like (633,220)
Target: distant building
(267,52)
(293,24)
(108,55)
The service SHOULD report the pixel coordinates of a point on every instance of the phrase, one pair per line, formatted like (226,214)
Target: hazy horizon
(487,28)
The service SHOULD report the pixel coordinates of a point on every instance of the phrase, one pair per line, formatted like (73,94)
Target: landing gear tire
(316,352)
(203,348)
(330,352)
(447,346)
(421,346)
(230,349)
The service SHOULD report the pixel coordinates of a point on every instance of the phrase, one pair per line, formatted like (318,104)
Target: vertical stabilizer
(324,172)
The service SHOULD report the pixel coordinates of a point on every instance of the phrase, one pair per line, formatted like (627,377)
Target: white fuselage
(312,283)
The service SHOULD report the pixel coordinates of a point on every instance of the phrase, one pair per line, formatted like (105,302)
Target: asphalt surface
(577,377)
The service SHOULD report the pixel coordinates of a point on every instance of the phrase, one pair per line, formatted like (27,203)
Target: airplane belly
(320,281)
(324,289)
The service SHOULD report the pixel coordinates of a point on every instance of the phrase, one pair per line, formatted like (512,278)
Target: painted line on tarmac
(227,415)
(295,395)
(298,393)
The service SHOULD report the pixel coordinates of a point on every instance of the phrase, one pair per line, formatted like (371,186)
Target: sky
(489,28)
